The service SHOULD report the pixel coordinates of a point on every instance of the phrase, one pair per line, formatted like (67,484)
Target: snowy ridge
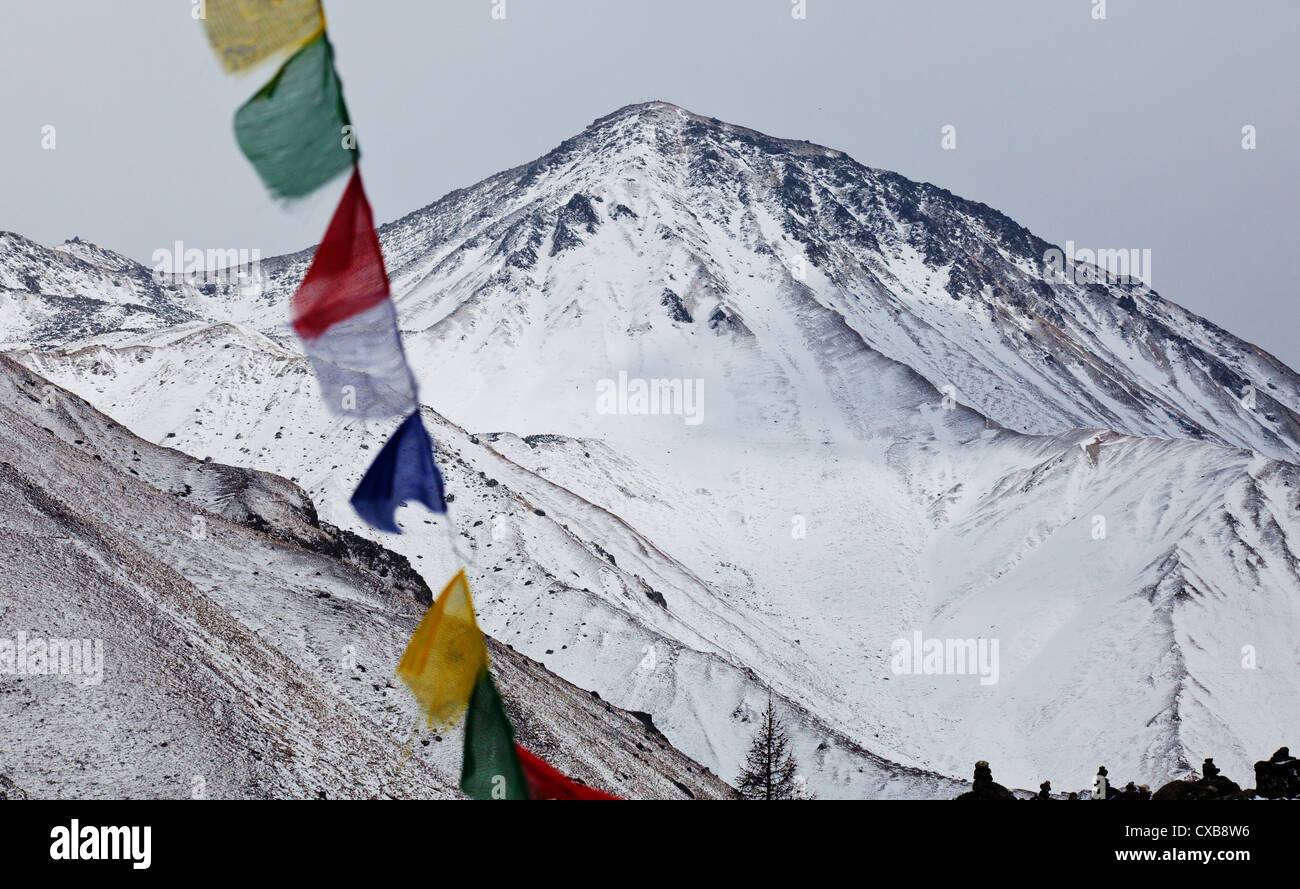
(224,668)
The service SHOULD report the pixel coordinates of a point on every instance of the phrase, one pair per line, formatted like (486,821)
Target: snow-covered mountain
(1093,491)
(77,289)
(246,648)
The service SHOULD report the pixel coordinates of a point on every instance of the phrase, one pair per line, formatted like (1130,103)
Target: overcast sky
(1122,133)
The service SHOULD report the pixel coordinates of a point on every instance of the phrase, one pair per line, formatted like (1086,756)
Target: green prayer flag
(490,768)
(295,130)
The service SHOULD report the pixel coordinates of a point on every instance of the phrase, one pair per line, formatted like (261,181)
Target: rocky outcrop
(10,790)
(985,787)
(1278,777)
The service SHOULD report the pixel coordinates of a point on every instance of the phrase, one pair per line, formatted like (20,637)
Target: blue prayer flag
(404,472)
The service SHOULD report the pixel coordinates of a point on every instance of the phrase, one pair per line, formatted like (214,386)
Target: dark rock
(577,215)
(9,790)
(985,787)
(1212,786)
(676,308)
(1278,777)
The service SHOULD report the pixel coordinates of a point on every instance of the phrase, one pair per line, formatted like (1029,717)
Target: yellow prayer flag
(245,32)
(446,655)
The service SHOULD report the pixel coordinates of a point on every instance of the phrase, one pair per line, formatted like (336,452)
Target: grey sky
(1121,133)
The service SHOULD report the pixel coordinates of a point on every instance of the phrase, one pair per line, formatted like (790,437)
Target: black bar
(217,838)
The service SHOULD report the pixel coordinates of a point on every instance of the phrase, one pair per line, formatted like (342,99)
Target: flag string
(298,135)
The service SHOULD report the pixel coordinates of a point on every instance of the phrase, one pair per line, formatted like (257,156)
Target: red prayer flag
(346,320)
(547,782)
(347,275)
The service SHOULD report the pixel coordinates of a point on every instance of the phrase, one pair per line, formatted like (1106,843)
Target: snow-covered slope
(831,499)
(557,577)
(247,648)
(672,585)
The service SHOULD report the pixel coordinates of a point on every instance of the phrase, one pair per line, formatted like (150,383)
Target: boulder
(985,787)
(1278,777)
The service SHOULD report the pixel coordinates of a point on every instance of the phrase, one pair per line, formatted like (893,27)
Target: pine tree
(769,771)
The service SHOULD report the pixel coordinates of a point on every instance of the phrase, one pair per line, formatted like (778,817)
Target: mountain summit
(720,220)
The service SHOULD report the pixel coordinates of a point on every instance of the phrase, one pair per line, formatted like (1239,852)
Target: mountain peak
(92,253)
(653,107)
(699,127)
